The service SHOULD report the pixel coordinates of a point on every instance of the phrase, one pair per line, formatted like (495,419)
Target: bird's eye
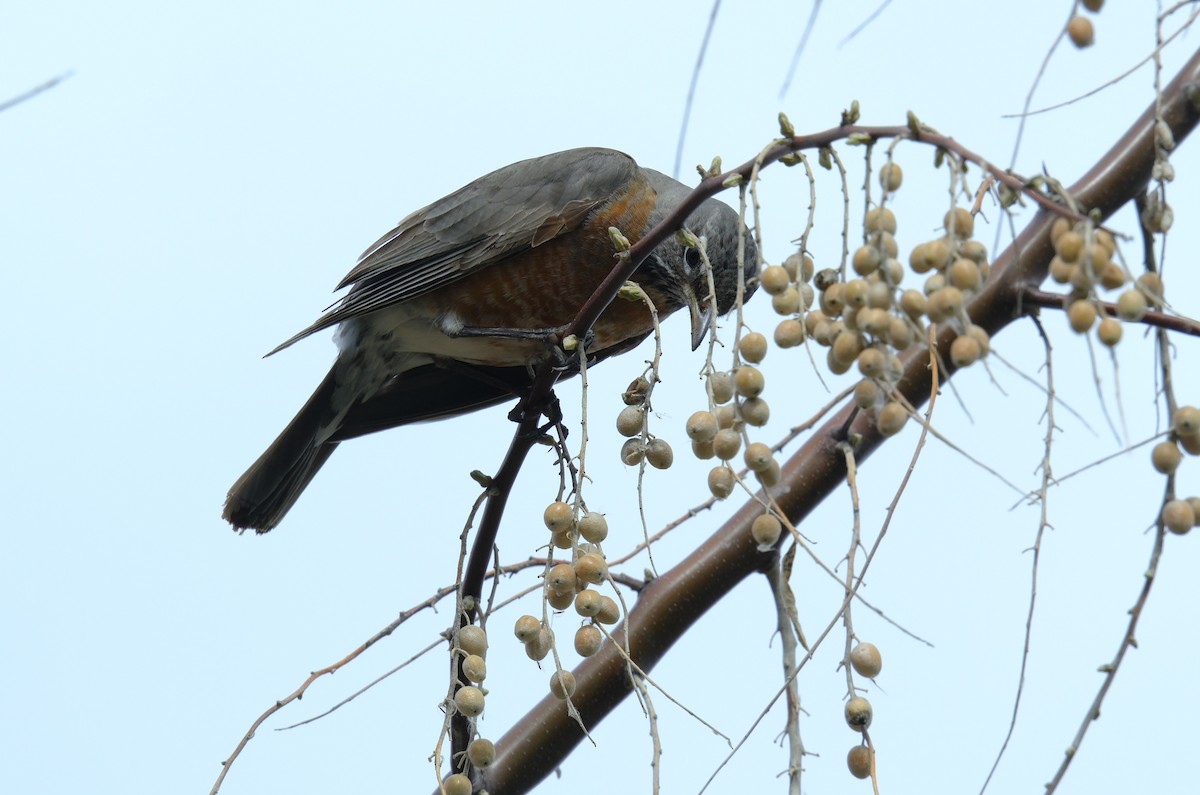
(692,257)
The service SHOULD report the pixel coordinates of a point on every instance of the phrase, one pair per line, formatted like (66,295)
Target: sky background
(187,199)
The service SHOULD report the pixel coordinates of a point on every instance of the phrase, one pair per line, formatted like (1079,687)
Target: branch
(673,602)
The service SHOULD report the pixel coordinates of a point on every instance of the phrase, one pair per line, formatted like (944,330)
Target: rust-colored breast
(544,287)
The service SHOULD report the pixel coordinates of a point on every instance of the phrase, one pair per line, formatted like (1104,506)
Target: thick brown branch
(671,604)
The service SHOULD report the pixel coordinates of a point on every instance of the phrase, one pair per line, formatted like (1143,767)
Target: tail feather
(263,495)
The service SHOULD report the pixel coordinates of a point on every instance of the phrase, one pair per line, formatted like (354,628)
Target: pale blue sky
(186,201)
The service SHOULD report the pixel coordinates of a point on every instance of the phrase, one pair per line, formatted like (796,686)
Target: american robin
(447,312)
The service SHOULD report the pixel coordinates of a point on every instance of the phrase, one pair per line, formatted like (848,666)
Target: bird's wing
(507,211)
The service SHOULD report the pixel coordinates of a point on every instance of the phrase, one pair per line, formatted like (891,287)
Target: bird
(452,308)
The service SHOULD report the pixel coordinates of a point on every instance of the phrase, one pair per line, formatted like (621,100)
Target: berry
(858,713)
(558,517)
(866,660)
(588,640)
(859,761)
(481,752)
(472,639)
(593,527)
(766,530)
(1178,516)
(1080,31)
(562,684)
(469,700)
(753,347)
(527,628)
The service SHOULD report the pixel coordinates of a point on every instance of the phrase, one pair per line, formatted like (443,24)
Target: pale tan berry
(1151,286)
(591,568)
(727,417)
(959,223)
(481,752)
(539,645)
(753,347)
(880,219)
(593,527)
(1190,444)
(786,302)
(944,304)
(846,347)
(1131,306)
(899,333)
(973,250)
(756,411)
(978,334)
(472,639)
(964,274)
(721,384)
(587,602)
(964,351)
(629,420)
(758,456)
(913,303)
(771,475)
(560,600)
(1060,270)
(1112,276)
(1060,227)
(799,267)
(928,256)
(558,517)
(891,176)
(866,394)
(749,381)
(562,685)
(1093,5)
(1069,246)
(858,713)
(526,628)
(766,530)
(891,418)
(879,294)
(858,760)
(934,283)
(561,578)
(588,640)
(1081,315)
(610,611)
(832,299)
(1105,239)
(563,540)
(1081,32)
(789,333)
(892,270)
(721,482)
(867,259)
(774,279)
(1165,457)
(1178,517)
(885,242)
(659,454)
(632,452)
(469,700)
(474,668)
(1109,331)
(1186,421)
(727,443)
(866,660)
(836,365)
(874,321)
(854,294)
(872,362)
(457,784)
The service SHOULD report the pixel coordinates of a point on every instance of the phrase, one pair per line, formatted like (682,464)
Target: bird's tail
(266,492)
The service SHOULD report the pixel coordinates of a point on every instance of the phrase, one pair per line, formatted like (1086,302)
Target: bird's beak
(701,315)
